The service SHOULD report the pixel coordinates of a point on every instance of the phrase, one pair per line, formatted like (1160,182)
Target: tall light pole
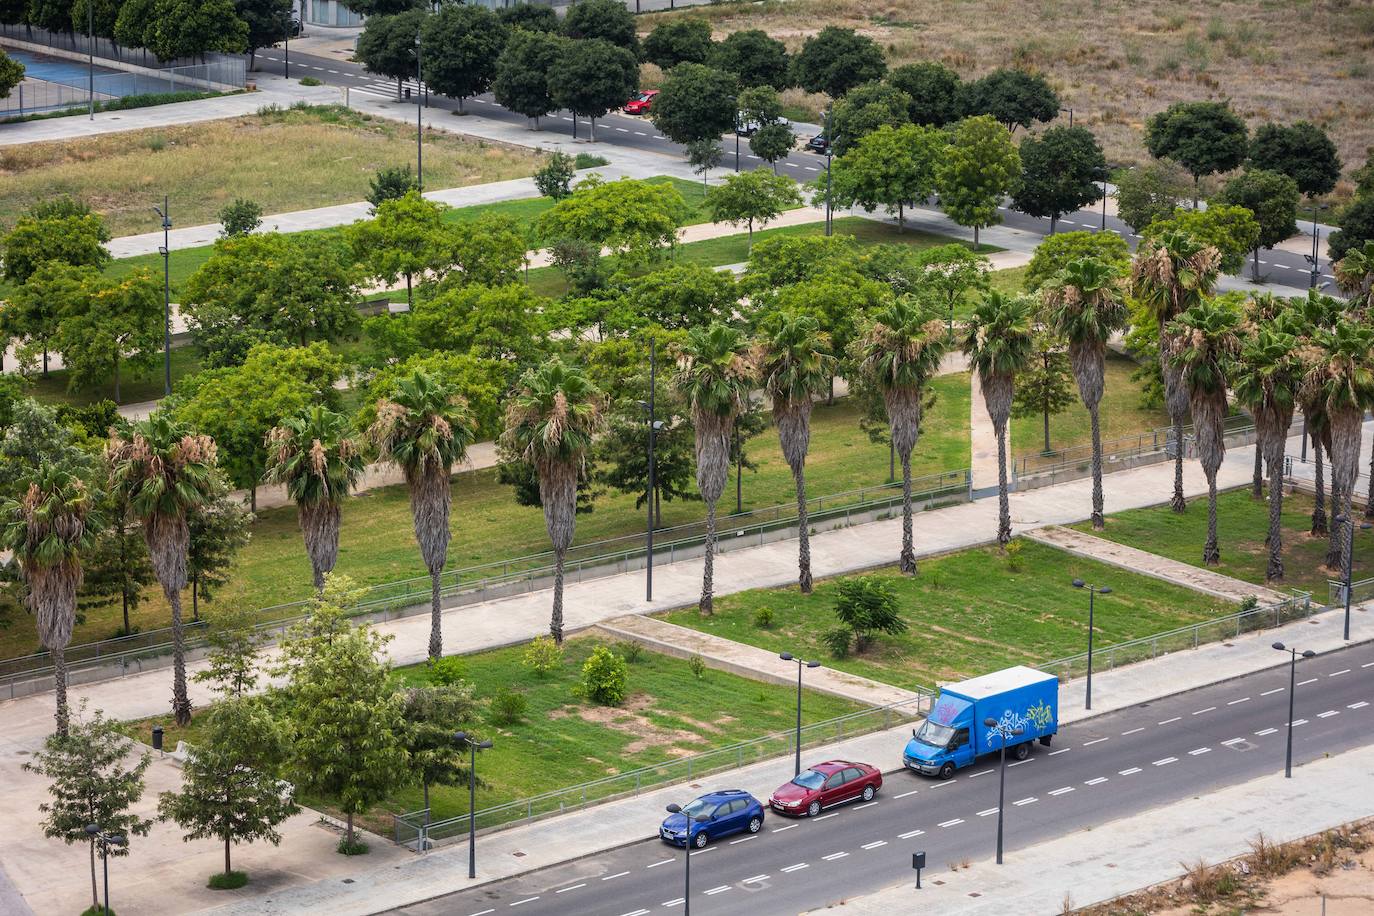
(473,746)
(1314,258)
(106,840)
(90,55)
(654,426)
(166,253)
(829,149)
(1002,732)
(286,55)
(1093,592)
(1348,584)
(789,657)
(419,127)
(1292,687)
(687,853)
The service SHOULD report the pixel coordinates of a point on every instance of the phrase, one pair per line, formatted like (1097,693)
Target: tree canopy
(865,109)
(1273,199)
(1302,151)
(980,167)
(676,41)
(521,83)
(604,20)
(936,92)
(754,56)
(835,60)
(627,216)
(1203,137)
(1012,97)
(758,196)
(1060,171)
(891,167)
(593,76)
(386,46)
(695,103)
(461,44)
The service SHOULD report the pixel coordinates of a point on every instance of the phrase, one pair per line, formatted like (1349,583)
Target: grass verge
(1120,414)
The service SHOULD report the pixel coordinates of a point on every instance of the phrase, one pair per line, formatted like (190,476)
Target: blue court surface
(108,82)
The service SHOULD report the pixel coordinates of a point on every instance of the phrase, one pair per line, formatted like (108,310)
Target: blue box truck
(955,733)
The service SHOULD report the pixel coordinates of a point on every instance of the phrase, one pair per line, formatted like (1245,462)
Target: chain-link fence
(37,95)
(227,69)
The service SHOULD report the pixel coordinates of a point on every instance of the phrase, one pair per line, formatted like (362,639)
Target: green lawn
(1242,523)
(144,387)
(967,613)
(563,741)
(377,543)
(1120,414)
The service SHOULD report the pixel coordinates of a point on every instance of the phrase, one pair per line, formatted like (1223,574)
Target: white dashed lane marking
(755,880)
(1130,772)
(1232,742)
(987,811)
(874,845)
(905,794)
(1094,741)
(1132,731)
(742,840)
(1265,731)
(824,816)
(1297,722)
(1236,702)
(791,868)
(1275,690)
(1062,791)
(717,890)
(660,862)
(864,805)
(979,773)
(1360,705)
(1201,711)
(1339,673)
(833,856)
(1199,751)
(1062,750)
(1168,721)
(1310,680)
(1096,782)
(952,823)
(564,890)
(1025,801)
(1164,761)
(528,900)
(621,874)
(909,834)
(1328,714)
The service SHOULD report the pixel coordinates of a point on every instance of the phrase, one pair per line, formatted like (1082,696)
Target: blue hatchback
(712,816)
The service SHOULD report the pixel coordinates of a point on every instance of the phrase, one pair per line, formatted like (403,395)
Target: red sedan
(826,785)
(641,103)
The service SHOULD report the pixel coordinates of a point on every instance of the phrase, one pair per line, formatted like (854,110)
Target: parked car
(641,103)
(819,144)
(747,127)
(826,785)
(293,27)
(727,811)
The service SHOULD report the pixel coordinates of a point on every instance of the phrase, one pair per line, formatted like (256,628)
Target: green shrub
(629,650)
(239,218)
(227,881)
(356,848)
(269,110)
(554,180)
(97,911)
(1012,553)
(311,81)
(590,161)
(543,656)
(763,618)
(1248,603)
(448,671)
(605,677)
(866,605)
(837,641)
(390,183)
(698,666)
(508,707)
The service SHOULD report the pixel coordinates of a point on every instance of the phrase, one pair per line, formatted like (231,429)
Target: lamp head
(1079,583)
(1309,654)
(484,745)
(460,736)
(1280,646)
(117,840)
(787,656)
(1105,590)
(813,664)
(92,829)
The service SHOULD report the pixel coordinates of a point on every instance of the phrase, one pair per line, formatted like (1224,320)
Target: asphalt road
(1281,267)
(1097,770)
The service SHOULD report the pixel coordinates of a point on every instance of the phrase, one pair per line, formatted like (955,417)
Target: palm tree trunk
(908,560)
(1344,426)
(1319,487)
(1178,503)
(1369,497)
(1334,536)
(1099,522)
(556,620)
(59,679)
(436,624)
(803,536)
(1211,553)
(1257,478)
(1274,573)
(704,606)
(1003,500)
(181,702)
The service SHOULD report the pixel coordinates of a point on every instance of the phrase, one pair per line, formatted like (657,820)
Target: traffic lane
(1216,736)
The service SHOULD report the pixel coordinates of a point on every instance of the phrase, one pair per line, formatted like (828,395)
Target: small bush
(508,707)
(269,110)
(227,881)
(555,178)
(590,161)
(390,184)
(763,618)
(311,81)
(837,641)
(1248,603)
(97,911)
(605,677)
(448,671)
(543,656)
(866,605)
(239,218)
(698,666)
(629,650)
(356,848)
(1012,553)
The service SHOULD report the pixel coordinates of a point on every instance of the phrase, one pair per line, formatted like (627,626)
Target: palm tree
(425,429)
(555,413)
(1355,276)
(1308,314)
(999,341)
(164,471)
(319,462)
(1265,378)
(1086,307)
(1171,274)
(714,374)
(794,363)
(46,529)
(898,351)
(1261,309)
(1206,338)
(1341,374)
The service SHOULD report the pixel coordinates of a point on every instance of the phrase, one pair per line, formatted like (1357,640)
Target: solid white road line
(909,834)
(951,823)
(1096,782)
(905,794)
(791,868)
(1265,731)
(1130,772)
(1164,761)
(874,845)
(833,856)
(564,890)
(660,862)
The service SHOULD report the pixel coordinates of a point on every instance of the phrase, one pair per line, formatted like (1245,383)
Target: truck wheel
(1022,750)
(813,809)
(947,771)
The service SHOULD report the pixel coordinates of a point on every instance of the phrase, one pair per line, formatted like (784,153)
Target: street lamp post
(1348,584)
(473,747)
(166,253)
(1093,592)
(1314,258)
(1003,732)
(654,426)
(1292,687)
(106,840)
(419,126)
(90,55)
(829,149)
(286,53)
(789,657)
(687,854)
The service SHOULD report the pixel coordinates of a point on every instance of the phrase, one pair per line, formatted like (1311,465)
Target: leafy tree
(521,83)
(605,677)
(35,309)
(1302,151)
(115,321)
(621,460)
(266,21)
(237,406)
(229,788)
(232,661)
(948,273)
(866,605)
(239,218)
(32,438)
(1014,98)
(344,720)
(554,179)
(1272,198)
(373,9)
(1059,251)
(677,41)
(1045,388)
(936,92)
(627,216)
(1355,277)
(461,46)
(835,60)
(190,28)
(501,323)
(407,237)
(755,57)
(1357,227)
(1060,170)
(432,714)
(75,240)
(91,784)
(602,20)
(704,155)
(11,74)
(786,260)
(750,197)
(865,109)
(132,22)
(490,250)
(981,166)
(390,183)
(890,167)
(386,46)
(1148,193)
(531,17)
(695,103)
(772,142)
(116,567)
(682,296)
(760,105)
(1203,137)
(1233,231)
(593,76)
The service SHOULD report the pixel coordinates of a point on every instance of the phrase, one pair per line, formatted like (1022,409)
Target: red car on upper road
(641,103)
(826,785)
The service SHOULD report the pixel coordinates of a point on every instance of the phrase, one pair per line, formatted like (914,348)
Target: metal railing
(1297,607)
(410,829)
(37,96)
(106,52)
(1361,590)
(472,584)
(1078,458)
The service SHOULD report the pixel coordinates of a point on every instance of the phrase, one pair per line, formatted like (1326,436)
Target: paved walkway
(982,438)
(1197,578)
